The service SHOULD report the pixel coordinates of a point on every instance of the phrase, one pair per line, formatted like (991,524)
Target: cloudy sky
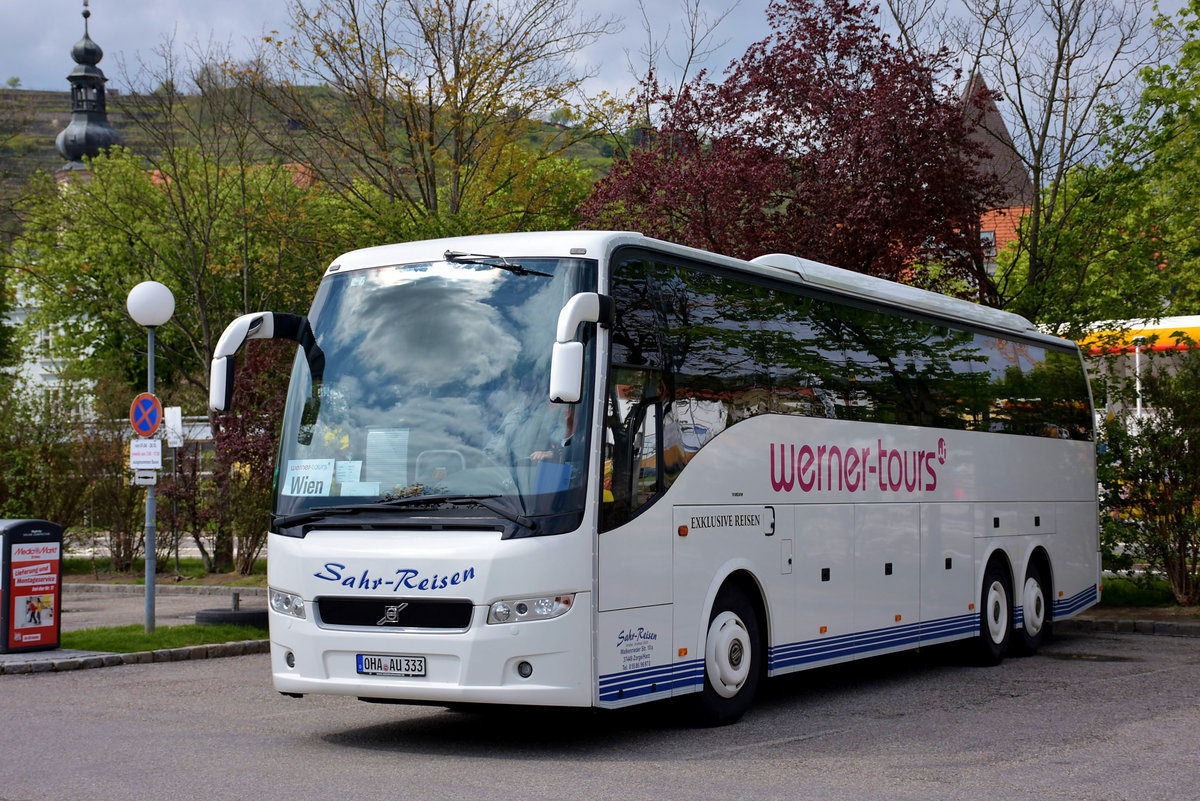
(36,35)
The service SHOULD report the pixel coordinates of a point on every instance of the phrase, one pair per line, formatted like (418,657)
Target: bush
(1127,592)
(1149,471)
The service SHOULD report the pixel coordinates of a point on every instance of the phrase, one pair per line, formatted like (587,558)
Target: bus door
(634,546)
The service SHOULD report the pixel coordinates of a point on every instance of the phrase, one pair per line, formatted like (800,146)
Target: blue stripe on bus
(690,674)
(664,678)
(865,642)
(1065,607)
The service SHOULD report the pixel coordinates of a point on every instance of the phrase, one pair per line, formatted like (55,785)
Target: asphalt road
(1094,716)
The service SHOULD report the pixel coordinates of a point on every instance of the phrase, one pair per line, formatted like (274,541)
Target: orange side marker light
(683,652)
(683,531)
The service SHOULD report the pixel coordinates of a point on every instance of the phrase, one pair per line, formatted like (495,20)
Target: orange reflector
(971,607)
(824,629)
(1060,593)
(897,618)
(683,531)
(683,652)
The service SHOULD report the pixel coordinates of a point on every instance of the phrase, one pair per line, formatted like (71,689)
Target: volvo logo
(391,614)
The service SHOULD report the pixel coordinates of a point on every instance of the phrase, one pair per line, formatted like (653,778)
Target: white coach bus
(596,469)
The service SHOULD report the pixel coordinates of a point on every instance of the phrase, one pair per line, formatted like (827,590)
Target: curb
(1169,628)
(99,660)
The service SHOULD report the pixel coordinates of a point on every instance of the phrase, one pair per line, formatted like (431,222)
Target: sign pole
(151,506)
(150,304)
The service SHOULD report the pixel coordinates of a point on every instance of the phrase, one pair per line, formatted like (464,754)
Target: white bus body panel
(922,503)
(475,665)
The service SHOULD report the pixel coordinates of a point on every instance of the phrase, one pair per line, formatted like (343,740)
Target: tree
(40,476)
(1107,256)
(183,506)
(1167,129)
(1125,245)
(1066,73)
(115,506)
(825,140)
(227,232)
(1150,472)
(420,102)
(246,444)
(223,241)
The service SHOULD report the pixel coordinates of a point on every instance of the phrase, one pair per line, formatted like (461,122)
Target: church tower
(88,132)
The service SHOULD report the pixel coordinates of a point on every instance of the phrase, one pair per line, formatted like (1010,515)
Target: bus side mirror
(566,362)
(566,372)
(259,325)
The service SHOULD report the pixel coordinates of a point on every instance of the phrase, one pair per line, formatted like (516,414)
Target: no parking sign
(145,414)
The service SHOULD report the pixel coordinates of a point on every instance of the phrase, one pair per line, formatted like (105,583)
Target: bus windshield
(436,386)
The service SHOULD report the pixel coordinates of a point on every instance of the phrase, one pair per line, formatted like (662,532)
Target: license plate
(390,665)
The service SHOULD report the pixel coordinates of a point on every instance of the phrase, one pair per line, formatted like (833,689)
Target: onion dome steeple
(88,132)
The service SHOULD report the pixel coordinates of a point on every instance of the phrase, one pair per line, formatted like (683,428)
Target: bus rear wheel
(1033,612)
(732,659)
(995,615)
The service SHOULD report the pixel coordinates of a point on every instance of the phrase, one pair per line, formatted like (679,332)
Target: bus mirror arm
(259,325)
(566,362)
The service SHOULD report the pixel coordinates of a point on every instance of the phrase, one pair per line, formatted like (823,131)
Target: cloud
(36,41)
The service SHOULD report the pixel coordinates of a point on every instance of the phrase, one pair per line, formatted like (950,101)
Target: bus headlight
(518,610)
(285,603)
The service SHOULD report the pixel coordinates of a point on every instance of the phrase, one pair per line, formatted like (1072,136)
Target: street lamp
(1138,344)
(150,304)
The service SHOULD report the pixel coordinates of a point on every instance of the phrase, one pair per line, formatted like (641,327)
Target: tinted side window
(729,350)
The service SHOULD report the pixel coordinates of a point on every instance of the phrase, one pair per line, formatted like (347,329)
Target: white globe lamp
(150,304)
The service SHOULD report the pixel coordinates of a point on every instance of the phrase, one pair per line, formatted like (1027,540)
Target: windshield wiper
(427,501)
(492,261)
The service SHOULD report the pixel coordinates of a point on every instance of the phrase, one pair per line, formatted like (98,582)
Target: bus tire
(995,615)
(1034,613)
(732,659)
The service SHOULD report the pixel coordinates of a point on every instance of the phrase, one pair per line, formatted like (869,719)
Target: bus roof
(600,244)
(847,282)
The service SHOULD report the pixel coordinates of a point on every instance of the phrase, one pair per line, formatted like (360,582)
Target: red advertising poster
(33,593)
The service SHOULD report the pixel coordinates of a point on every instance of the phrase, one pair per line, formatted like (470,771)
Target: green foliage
(1117,236)
(1149,470)
(191,570)
(1103,262)
(132,639)
(39,469)
(224,240)
(1129,592)
(435,107)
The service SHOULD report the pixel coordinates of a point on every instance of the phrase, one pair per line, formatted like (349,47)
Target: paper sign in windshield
(308,477)
(349,472)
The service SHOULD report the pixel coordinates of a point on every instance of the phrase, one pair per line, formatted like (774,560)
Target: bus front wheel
(995,615)
(732,659)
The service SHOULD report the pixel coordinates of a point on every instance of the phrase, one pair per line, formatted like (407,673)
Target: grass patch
(130,639)
(1125,592)
(191,571)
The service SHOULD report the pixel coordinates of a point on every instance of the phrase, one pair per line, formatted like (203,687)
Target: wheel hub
(997,618)
(1033,607)
(726,660)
